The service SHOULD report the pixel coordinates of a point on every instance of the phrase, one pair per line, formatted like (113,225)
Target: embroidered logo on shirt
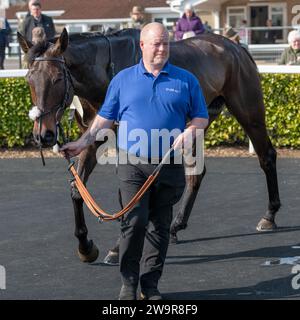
(172,90)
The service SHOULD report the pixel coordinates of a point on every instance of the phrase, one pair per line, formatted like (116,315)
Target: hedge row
(281,94)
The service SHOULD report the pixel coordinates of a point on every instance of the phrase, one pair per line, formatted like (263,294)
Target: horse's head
(50,86)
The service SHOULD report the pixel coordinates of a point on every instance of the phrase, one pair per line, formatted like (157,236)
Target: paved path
(220,255)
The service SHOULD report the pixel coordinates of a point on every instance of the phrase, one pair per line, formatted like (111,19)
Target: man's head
(188,10)
(294,39)
(231,34)
(269,23)
(35,9)
(38,35)
(155,44)
(30,2)
(137,14)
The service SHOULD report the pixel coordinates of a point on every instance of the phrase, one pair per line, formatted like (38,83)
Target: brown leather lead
(100,213)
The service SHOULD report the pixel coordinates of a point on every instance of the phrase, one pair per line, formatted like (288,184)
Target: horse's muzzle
(46,140)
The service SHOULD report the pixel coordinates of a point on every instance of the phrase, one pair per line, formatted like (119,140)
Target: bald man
(147,99)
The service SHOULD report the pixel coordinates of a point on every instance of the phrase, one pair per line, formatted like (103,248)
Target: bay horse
(84,64)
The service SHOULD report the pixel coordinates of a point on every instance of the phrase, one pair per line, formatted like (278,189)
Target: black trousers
(2,57)
(145,229)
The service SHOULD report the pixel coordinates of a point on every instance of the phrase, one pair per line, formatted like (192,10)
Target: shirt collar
(165,69)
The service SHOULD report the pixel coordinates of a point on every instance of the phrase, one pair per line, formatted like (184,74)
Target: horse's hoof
(112,258)
(173,238)
(91,256)
(266,225)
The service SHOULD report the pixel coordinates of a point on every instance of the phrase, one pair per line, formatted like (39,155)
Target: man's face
(137,17)
(296,44)
(35,11)
(155,48)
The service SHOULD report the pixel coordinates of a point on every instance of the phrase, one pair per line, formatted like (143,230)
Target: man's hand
(184,141)
(72,149)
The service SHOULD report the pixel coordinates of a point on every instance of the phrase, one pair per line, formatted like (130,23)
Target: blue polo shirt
(146,106)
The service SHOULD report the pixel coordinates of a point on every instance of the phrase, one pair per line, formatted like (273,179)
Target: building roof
(91,9)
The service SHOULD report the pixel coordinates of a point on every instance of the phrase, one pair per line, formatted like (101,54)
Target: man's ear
(24,43)
(61,43)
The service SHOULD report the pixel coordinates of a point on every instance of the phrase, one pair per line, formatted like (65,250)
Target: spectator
(244,33)
(38,35)
(5,31)
(137,15)
(291,55)
(269,35)
(189,24)
(234,36)
(207,27)
(37,19)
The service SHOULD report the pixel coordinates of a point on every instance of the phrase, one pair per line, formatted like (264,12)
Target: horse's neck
(87,84)
(92,67)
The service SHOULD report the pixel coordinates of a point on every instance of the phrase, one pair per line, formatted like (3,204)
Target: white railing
(13,73)
(17,73)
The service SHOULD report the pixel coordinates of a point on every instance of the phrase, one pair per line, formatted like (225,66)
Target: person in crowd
(138,19)
(291,55)
(37,19)
(38,35)
(244,32)
(269,34)
(5,31)
(142,98)
(207,27)
(189,24)
(234,36)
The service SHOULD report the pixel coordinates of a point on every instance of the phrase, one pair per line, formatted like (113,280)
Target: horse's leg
(87,250)
(192,186)
(248,108)
(193,182)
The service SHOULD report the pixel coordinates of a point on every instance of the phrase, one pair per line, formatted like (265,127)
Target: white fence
(261,68)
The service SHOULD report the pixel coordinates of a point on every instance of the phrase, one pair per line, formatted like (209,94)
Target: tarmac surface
(220,255)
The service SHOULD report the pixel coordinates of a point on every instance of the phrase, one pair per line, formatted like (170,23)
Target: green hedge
(281,94)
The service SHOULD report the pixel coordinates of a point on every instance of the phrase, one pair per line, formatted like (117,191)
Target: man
(137,16)
(234,36)
(291,55)
(37,19)
(269,34)
(153,94)
(5,31)
(189,24)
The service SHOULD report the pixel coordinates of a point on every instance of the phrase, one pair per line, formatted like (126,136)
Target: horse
(83,64)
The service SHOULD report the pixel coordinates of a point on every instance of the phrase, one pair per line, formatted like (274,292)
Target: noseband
(69,92)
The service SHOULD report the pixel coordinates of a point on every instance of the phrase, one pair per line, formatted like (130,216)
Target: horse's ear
(24,43)
(61,43)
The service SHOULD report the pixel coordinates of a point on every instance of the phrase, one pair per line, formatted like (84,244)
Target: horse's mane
(95,35)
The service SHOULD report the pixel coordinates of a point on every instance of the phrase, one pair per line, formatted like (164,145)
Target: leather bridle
(60,108)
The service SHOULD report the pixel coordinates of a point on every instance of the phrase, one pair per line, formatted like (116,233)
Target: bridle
(60,108)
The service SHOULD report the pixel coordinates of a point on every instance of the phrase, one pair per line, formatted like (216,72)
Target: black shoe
(150,294)
(127,293)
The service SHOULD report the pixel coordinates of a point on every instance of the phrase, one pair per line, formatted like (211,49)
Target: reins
(99,213)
